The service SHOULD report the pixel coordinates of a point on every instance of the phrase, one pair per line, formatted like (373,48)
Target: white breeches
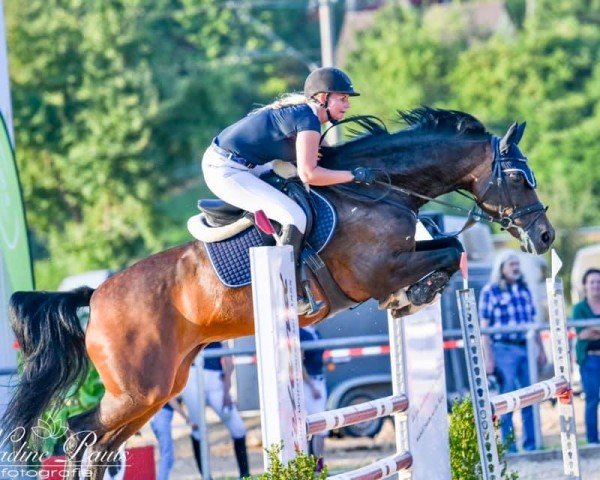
(213,391)
(241,187)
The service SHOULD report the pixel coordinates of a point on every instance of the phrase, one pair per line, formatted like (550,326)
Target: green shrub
(464,450)
(300,468)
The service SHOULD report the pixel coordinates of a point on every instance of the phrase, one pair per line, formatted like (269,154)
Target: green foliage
(547,74)
(401,64)
(465,461)
(300,468)
(52,427)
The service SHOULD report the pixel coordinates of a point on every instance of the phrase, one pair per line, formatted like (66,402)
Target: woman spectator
(588,350)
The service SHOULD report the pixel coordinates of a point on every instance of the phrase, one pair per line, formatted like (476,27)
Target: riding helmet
(328,80)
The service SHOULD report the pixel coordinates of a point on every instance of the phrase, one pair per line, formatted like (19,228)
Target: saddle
(228,233)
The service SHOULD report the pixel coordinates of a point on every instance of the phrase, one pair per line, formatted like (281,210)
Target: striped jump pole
(362,412)
(525,397)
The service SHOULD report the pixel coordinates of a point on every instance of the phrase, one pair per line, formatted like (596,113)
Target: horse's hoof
(424,290)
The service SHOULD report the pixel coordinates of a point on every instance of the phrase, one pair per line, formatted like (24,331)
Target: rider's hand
(363,175)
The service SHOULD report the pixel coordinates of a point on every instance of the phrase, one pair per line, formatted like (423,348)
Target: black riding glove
(363,175)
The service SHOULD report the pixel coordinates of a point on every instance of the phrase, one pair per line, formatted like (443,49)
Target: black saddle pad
(231,258)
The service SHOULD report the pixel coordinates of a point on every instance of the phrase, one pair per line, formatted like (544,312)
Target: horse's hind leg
(77,439)
(105,450)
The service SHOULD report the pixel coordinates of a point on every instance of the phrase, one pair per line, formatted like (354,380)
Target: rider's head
(330,88)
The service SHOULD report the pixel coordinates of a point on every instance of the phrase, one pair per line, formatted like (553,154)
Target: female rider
(288,129)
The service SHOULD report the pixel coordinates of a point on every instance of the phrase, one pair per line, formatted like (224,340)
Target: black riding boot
(241,455)
(290,235)
(198,456)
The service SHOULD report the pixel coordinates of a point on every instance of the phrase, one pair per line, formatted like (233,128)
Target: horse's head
(509,195)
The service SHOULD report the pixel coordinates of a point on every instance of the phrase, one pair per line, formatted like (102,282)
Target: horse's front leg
(415,278)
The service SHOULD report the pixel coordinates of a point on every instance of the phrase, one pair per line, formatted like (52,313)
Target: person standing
(506,301)
(161,426)
(217,390)
(315,390)
(588,350)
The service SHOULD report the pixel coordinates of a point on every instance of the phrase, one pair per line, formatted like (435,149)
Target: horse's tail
(52,342)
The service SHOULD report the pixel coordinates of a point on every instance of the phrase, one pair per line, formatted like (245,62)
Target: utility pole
(327,48)
(529,9)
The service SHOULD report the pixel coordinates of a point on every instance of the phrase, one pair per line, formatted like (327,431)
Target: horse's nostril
(546,237)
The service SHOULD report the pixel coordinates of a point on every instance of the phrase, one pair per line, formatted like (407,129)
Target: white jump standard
(418,402)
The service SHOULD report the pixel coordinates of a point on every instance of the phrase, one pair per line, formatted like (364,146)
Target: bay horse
(148,322)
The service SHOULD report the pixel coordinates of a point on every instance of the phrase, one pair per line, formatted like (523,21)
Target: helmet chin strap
(325,105)
(330,119)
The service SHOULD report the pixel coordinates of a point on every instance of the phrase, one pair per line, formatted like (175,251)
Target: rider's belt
(519,343)
(593,352)
(232,156)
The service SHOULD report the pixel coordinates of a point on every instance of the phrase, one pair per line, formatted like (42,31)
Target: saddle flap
(219,213)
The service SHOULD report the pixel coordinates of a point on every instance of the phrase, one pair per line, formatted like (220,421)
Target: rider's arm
(307,149)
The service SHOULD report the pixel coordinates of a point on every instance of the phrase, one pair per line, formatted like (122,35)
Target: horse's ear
(519,134)
(507,139)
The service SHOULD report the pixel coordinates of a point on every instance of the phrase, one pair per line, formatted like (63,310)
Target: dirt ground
(350,453)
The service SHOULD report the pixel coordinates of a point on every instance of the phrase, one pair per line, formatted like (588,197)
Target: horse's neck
(437,171)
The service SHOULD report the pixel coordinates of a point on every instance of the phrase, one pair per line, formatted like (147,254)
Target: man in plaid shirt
(507,302)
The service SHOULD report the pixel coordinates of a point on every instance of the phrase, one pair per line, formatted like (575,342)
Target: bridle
(503,163)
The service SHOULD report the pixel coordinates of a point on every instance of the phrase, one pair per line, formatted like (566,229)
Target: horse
(148,322)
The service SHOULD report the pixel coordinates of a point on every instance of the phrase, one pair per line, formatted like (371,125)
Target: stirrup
(308,300)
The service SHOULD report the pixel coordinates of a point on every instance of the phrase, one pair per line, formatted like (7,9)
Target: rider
(288,129)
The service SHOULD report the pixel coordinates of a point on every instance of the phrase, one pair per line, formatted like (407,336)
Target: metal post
(486,435)
(327,49)
(399,384)
(562,366)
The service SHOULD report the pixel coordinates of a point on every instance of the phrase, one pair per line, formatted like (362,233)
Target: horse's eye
(516,178)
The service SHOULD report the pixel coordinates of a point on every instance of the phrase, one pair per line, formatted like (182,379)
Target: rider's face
(338,104)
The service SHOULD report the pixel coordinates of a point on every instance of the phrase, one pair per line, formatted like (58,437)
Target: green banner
(13,231)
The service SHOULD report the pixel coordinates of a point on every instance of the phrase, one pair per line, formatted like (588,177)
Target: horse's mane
(423,125)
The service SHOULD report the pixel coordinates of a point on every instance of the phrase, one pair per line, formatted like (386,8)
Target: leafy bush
(300,468)
(464,450)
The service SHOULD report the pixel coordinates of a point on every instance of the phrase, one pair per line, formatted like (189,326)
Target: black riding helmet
(328,80)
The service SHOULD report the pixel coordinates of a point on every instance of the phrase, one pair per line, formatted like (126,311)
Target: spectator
(161,426)
(507,302)
(217,386)
(588,350)
(315,391)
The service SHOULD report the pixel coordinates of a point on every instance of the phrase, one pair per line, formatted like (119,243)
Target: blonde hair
(284,100)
